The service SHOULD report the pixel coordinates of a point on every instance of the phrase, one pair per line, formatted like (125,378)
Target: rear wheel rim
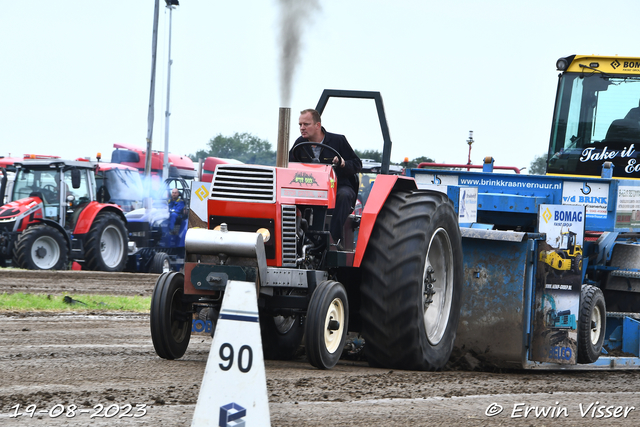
(111,248)
(437,286)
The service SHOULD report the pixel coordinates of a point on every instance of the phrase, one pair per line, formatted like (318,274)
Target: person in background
(176,209)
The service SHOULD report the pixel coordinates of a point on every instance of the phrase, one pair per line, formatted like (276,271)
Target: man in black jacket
(312,131)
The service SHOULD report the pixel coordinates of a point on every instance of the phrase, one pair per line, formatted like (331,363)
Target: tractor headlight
(265,234)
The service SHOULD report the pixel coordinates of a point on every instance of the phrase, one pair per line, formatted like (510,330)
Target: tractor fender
(89,213)
(382,187)
(55,225)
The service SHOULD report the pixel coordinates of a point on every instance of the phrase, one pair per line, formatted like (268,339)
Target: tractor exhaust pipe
(284,119)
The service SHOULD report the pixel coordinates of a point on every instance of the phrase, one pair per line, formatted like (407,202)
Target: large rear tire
(412,282)
(170,317)
(592,324)
(327,324)
(106,243)
(41,247)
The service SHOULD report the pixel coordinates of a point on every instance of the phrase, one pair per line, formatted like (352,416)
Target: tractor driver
(311,130)
(176,208)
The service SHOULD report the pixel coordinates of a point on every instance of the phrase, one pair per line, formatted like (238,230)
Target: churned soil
(78,363)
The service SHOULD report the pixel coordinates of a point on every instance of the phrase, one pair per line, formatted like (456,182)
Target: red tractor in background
(397,283)
(55,216)
(134,156)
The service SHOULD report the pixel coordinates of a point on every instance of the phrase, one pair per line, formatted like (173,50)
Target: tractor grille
(289,252)
(244,183)
(7,225)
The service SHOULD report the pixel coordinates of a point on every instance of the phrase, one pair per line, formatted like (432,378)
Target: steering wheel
(295,151)
(49,191)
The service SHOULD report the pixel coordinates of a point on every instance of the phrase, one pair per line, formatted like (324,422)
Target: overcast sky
(75,75)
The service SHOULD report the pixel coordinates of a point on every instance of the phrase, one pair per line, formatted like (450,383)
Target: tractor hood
(13,214)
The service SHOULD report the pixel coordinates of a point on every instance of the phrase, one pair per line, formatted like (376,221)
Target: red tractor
(54,218)
(397,282)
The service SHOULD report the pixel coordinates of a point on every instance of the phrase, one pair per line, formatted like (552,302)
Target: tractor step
(626,257)
(626,273)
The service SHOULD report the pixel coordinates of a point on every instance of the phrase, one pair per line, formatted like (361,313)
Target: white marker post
(234,386)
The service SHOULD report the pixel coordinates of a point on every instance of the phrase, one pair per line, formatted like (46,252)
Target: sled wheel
(161,263)
(170,317)
(281,335)
(327,324)
(592,324)
(106,243)
(412,282)
(41,247)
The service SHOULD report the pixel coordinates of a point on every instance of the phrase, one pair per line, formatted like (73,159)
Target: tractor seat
(623,132)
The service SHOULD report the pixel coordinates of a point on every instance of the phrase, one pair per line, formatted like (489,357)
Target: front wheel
(41,247)
(591,324)
(281,335)
(170,317)
(327,324)
(106,243)
(161,263)
(412,282)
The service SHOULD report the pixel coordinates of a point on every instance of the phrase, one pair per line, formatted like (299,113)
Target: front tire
(412,282)
(161,263)
(592,324)
(170,317)
(327,324)
(281,335)
(106,243)
(41,247)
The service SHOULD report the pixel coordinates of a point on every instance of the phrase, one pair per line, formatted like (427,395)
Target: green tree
(241,146)
(415,162)
(374,155)
(539,165)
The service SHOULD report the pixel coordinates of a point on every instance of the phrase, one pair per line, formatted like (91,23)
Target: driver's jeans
(345,199)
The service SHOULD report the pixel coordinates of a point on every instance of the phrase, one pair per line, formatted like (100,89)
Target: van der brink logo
(546,215)
(615,64)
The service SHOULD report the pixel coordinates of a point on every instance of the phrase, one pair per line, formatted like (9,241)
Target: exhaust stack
(284,124)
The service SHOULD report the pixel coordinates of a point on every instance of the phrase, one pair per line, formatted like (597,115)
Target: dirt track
(108,359)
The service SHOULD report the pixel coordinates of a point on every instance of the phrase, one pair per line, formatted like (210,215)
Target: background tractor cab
(53,218)
(119,184)
(596,117)
(153,246)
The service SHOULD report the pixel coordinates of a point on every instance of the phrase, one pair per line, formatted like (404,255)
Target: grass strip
(73,302)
